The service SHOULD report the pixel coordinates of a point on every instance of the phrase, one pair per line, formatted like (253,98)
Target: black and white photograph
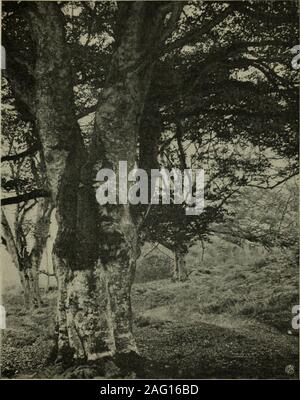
(149,191)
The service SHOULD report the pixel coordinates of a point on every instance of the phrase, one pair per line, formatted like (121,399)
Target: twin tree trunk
(28,264)
(96,246)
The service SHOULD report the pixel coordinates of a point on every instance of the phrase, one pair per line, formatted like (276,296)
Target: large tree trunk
(95,271)
(117,126)
(80,333)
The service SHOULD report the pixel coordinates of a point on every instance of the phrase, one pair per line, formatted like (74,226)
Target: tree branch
(275,184)
(35,194)
(15,157)
(195,35)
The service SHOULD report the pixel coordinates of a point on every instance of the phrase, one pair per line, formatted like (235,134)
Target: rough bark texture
(149,135)
(80,333)
(43,220)
(179,265)
(96,247)
(117,126)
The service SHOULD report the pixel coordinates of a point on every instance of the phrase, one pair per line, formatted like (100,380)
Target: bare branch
(195,35)
(35,194)
(275,184)
(15,157)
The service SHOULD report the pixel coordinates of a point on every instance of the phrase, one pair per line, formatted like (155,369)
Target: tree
(227,103)
(25,233)
(258,221)
(71,172)
(150,61)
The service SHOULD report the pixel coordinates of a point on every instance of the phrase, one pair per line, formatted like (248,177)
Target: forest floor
(193,329)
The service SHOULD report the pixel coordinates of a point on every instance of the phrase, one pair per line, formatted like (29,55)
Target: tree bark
(43,220)
(115,138)
(24,279)
(80,333)
(95,266)
(179,265)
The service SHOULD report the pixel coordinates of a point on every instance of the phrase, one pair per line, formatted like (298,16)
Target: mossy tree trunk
(115,138)
(80,313)
(96,247)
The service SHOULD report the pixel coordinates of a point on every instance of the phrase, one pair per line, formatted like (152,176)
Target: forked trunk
(95,268)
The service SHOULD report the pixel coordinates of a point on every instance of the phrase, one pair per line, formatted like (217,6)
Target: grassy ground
(233,322)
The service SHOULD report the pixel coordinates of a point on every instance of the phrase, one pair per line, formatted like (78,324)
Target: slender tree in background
(25,231)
